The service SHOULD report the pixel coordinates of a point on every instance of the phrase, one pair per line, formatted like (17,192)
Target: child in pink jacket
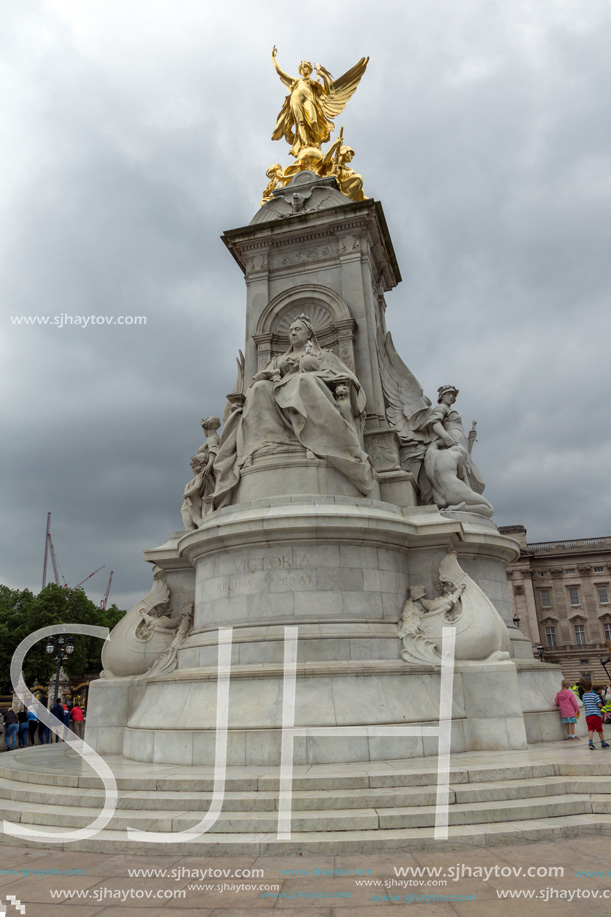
(569,708)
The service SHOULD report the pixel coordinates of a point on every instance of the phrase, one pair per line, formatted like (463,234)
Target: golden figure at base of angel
(306,121)
(350,182)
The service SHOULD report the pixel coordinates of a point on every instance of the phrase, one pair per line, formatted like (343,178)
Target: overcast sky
(134,133)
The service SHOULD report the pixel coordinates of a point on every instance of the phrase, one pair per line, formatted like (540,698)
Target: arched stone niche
(329,314)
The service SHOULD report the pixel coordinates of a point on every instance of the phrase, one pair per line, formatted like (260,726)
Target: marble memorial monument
(335,497)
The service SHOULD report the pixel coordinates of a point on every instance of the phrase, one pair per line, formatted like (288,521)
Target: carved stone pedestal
(339,569)
(296,474)
(324,405)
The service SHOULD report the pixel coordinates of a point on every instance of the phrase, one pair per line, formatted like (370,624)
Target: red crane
(90,575)
(105,599)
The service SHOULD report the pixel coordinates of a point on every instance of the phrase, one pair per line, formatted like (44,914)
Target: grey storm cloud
(134,134)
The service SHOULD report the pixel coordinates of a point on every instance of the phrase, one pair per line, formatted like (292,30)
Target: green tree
(21,613)
(14,608)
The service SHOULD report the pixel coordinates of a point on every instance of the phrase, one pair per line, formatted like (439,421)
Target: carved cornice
(345,327)
(578,616)
(267,338)
(364,218)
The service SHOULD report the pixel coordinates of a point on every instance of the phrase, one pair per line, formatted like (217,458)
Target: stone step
(324,778)
(477,813)
(150,800)
(385,797)
(319,778)
(345,842)
(323,820)
(335,808)
(601,804)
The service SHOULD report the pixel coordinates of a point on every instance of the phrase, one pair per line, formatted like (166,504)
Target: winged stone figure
(406,404)
(306,118)
(434,444)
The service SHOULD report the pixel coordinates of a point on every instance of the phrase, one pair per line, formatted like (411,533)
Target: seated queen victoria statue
(293,406)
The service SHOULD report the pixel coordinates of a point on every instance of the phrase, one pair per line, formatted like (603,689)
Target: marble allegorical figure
(304,400)
(434,446)
(454,479)
(418,646)
(480,634)
(167,661)
(191,510)
(198,492)
(162,623)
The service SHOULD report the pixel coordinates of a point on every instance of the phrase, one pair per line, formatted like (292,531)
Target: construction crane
(47,536)
(90,575)
(49,548)
(105,599)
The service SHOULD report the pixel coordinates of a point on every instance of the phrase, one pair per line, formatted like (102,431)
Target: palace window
(550,636)
(574,596)
(607,630)
(546,600)
(570,572)
(603,596)
(599,569)
(580,634)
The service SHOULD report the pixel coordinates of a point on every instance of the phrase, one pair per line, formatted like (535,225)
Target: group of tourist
(24,726)
(596,702)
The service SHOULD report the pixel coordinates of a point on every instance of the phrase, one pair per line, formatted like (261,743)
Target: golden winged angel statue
(306,118)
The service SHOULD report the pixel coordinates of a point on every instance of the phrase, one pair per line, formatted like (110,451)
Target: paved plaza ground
(567,875)
(306,896)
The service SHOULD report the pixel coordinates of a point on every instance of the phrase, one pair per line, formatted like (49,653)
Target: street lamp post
(540,650)
(64,649)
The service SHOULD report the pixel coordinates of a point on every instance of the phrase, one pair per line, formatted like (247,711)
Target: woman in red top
(78,720)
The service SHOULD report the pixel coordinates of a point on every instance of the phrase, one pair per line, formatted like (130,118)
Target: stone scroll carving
(481,635)
(142,635)
(180,628)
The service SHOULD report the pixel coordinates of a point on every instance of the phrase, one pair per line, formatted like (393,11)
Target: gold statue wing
(342,89)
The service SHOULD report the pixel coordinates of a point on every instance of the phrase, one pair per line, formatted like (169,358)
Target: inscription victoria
(292,572)
(273,562)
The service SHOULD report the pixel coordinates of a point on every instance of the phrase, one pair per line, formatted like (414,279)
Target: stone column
(257,296)
(535,633)
(264,344)
(346,331)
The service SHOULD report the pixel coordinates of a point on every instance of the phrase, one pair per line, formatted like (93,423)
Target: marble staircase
(495,798)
